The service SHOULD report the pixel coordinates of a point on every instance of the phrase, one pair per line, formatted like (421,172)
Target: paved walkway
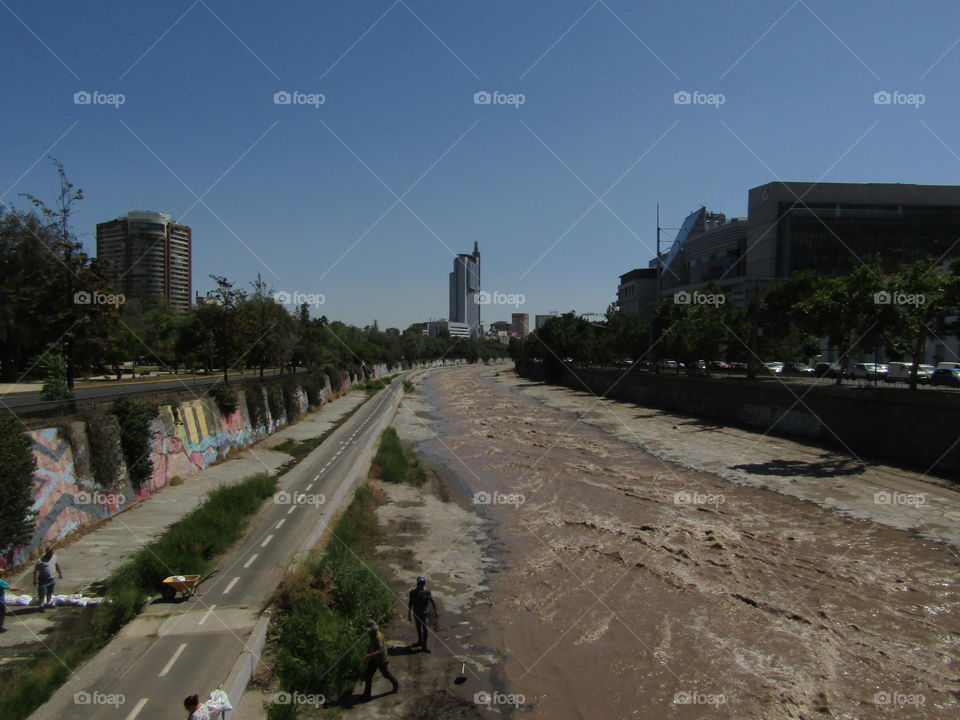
(94,555)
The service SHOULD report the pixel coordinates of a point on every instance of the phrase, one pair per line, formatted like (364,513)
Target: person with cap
(376,658)
(419,607)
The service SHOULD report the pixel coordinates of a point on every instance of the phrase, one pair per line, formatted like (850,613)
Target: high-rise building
(541,320)
(464,286)
(148,256)
(521,325)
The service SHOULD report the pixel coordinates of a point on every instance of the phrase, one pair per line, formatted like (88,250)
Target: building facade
(148,256)
(540,320)
(453,329)
(636,293)
(464,286)
(520,327)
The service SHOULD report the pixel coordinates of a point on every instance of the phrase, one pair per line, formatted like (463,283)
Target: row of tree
(57,317)
(864,311)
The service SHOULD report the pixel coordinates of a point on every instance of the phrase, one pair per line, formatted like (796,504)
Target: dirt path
(632,586)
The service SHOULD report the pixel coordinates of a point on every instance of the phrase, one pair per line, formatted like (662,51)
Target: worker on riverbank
(418,606)
(43,577)
(376,658)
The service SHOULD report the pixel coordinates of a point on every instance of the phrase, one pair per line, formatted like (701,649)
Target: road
(33,401)
(174,650)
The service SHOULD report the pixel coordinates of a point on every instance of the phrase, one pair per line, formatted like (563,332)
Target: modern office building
(148,256)
(500,326)
(453,329)
(540,320)
(464,286)
(520,326)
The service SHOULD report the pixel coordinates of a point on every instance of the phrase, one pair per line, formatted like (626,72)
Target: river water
(631,587)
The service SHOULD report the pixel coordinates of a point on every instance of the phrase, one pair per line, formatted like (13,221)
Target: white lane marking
(267,541)
(172,660)
(309,487)
(206,614)
(292,508)
(249,562)
(137,708)
(229,587)
(280,524)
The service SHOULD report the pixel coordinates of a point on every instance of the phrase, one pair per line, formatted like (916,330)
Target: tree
(227,299)
(16,486)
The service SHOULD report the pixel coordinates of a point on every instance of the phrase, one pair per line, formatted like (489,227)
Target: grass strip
(396,464)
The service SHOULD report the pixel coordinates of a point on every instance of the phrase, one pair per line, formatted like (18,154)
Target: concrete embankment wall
(919,429)
(186,438)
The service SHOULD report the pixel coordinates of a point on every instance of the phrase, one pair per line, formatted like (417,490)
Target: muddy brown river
(627,586)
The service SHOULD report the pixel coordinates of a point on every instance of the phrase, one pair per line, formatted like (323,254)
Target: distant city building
(636,293)
(453,329)
(521,325)
(420,328)
(541,320)
(464,286)
(393,331)
(500,326)
(148,256)
(208,299)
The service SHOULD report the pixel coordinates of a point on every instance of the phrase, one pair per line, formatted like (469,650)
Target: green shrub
(275,401)
(16,485)
(291,407)
(395,464)
(106,456)
(54,371)
(408,387)
(312,384)
(225,397)
(256,404)
(134,418)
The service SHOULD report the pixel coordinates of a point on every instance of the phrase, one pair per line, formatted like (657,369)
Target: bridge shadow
(836,467)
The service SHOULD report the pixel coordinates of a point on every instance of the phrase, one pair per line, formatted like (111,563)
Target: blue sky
(308,195)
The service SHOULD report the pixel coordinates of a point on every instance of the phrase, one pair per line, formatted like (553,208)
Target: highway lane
(173,650)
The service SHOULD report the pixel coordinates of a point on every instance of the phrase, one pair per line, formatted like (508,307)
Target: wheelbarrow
(186,585)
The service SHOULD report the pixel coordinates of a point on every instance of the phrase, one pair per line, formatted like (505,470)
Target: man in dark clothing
(419,607)
(377,658)
(4,586)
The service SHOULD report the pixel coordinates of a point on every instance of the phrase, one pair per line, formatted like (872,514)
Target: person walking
(418,606)
(4,586)
(43,577)
(376,658)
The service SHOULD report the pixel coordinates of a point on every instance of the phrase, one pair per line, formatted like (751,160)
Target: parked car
(868,371)
(774,367)
(900,372)
(797,369)
(697,368)
(828,370)
(720,365)
(667,366)
(948,376)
